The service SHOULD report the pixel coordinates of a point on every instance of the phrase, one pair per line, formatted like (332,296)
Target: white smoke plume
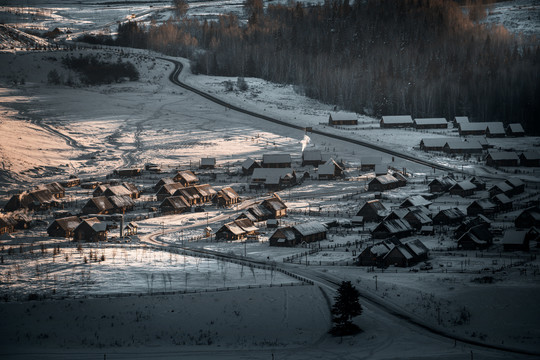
(306,140)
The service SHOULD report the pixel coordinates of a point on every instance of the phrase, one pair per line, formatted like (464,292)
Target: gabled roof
(274,204)
(461,119)
(483,204)
(234,228)
(384,179)
(402,250)
(68,224)
(431,121)
(228,193)
(117,190)
(420,216)
(121,201)
(53,187)
(287,232)
(514,182)
(516,128)
(531,155)
(514,237)
(188,176)
(312,155)
(496,128)
(328,168)
(260,211)
(205,190)
(247,215)
(380,249)
(101,203)
(375,205)
(503,186)
(416,200)
(464,145)
(310,228)
(177,202)
(444,181)
(170,188)
(271,174)
(397,119)
(464,185)
(452,213)
(503,155)
(246,225)
(249,162)
(394,226)
(502,198)
(165,181)
(131,187)
(94,224)
(276,158)
(473,126)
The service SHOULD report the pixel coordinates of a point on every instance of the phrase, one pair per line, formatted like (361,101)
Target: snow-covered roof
(260,211)
(101,203)
(464,185)
(312,155)
(502,198)
(121,201)
(416,200)
(380,249)
(205,190)
(420,216)
(270,174)
(118,190)
(531,155)
(287,232)
(95,224)
(208,161)
(276,158)
(246,224)
(461,119)
(464,145)
(452,213)
(516,128)
(343,116)
(248,163)
(370,160)
(417,247)
(503,155)
(484,203)
(431,121)
(438,142)
(188,176)
(229,192)
(310,228)
(401,249)
(385,179)
(514,237)
(444,180)
(234,228)
(381,169)
(275,204)
(69,223)
(514,182)
(397,119)
(178,202)
(395,225)
(503,186)
(170,188)
(328,168)
(472,126)
(496,128)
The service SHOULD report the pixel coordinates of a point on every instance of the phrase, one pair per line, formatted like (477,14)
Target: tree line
(426,58)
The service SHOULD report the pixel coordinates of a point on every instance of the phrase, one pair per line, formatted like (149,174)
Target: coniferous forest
(427,58)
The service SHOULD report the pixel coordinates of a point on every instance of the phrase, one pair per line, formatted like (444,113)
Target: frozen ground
(51,132)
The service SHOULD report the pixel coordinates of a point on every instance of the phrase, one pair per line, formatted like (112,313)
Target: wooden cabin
(174,205)
(186,178)
(98,205)
(396,121)
(372,211)
(441,184)
(431,123)
(226,197)
(392,228)
(383,183)
(64,227)
(502,158)
(276,161)
(90,230)
(342,118)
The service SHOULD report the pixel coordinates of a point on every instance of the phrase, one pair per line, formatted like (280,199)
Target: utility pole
(375,277)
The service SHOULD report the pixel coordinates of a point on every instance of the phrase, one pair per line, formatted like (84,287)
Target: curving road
(312,275)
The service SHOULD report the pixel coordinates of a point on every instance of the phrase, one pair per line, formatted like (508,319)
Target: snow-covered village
(269,179)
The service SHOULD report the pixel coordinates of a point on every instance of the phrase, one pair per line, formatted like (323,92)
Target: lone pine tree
(346,307)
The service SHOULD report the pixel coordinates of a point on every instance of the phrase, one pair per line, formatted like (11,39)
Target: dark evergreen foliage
(345,308)
(93,71)
(427,58)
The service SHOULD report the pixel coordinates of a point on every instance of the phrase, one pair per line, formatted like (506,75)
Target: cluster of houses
(183,191)
(42,197)
(393,252)
(451,145)
(275,171)
(244,225)
(89,228)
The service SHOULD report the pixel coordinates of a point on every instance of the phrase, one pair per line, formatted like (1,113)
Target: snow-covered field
(50,132)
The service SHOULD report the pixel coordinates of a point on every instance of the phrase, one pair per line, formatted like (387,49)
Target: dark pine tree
(346,307)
